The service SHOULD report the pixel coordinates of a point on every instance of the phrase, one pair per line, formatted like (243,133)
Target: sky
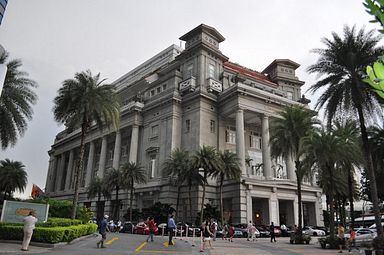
(57,38)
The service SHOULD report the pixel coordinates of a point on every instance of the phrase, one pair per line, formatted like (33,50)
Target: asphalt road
(126,244)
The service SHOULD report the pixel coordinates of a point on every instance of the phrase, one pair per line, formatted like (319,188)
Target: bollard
(193,237)
(181,232)
(162,232)
(201,243)
(186,233)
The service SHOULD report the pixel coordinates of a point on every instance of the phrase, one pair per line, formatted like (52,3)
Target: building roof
(248,72)
(286,62)
(210,30)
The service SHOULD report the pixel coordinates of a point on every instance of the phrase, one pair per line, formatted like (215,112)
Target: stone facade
(189,98)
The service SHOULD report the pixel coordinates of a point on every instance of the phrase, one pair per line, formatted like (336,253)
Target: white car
(313,232)
(362,235)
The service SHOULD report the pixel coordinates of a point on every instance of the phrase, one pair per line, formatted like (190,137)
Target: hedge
(48,234)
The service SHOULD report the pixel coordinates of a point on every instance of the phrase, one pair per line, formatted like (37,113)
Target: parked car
(362,235)
(190,229)
(238,233)
(264,232)
(143,229)
(313,232)
(326,230)
(128,227)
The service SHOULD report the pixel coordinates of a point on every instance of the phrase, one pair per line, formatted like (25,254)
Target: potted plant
(367,247)
(323,242)
(299,239)
(378,245)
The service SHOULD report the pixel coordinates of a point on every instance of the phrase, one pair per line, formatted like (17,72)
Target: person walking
(272,232)
(352,240)
(103,232)
(171,229)
(248,230)
(340,236)
(29,226)
(252,231)
(207,234)
(213,229)
(151,225)
(231,232)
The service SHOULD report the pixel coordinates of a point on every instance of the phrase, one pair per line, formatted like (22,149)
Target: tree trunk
(331,204)
(117,204)
(350,193)
(190,202)
(370,172)
(221,201)
(203,199)
(131,202)
(79,170)
(178,200)
(298,179)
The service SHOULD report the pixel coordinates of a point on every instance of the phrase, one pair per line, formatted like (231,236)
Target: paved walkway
(14,248)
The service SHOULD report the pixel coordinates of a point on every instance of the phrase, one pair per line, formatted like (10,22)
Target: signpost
(15,211)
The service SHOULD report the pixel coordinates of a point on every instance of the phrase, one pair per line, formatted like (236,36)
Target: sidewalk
(14,248)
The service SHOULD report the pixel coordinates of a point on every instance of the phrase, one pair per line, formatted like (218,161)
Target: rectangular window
(211,71)
(190,70)
(124,151)
(152,166)
(110,155)
(213,126)
(155,130)
(255,140)
(187,126)
(290,95)
(158,89)
(152,93)
(230,135)
(164,87)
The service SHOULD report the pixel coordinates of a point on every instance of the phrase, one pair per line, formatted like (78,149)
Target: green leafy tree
(132,174)
(16,100)
(206,159)
(175,166)
(97,187)
(114,179)
(80,102)
(341,65)
(230,170)
(192,178)
(287,134)
(13,177)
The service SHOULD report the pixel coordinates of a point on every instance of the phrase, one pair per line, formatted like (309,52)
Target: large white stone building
(188,98)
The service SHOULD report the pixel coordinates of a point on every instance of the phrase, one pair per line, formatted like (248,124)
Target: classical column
(249,206)
(49,185)
(290,168)
(59,172)
(266,151)
(117,151)
(69,171)
(296,211)
(240,142)
(134,144)
(274,208)
(103,155)
(91,155)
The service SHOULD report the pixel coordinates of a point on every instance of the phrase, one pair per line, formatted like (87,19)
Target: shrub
(333,242)
(48,234)
(84,214)
(299,239)
(378,243)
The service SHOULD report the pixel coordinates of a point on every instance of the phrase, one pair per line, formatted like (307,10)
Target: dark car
(264,231)
(128,227)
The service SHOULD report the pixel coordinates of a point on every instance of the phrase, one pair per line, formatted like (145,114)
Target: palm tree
(349,133)
(80,102)
(175,167)
(132,174)
(114,180)
(16,100)
(97,187)
(342,63)
(287,133)
(192,178)
(12,177)
(207,160)
(230,169)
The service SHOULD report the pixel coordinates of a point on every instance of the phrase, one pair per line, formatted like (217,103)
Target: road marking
(166,243)
(140,247)
(112,240)
(166,252)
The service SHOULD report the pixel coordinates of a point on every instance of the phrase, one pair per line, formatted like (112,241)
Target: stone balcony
(214,86)
(187,85)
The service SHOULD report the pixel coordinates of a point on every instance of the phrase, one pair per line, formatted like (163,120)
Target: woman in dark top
(206,234)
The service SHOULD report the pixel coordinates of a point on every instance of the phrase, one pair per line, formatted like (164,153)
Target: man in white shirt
(29,226)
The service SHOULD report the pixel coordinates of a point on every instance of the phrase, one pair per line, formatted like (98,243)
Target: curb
(50,245)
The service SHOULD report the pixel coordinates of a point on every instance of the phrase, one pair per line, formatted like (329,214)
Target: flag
(36,191)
